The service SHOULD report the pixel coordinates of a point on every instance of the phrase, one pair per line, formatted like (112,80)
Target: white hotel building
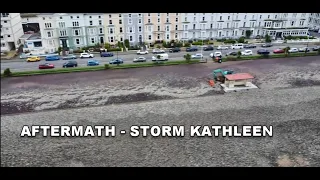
(235,25)
(11,31)
(314,21)
(72,31)
(76,30)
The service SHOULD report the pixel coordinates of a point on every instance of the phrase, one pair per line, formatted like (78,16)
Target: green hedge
(234,58)
(99,68)
(113,49)
(297,37)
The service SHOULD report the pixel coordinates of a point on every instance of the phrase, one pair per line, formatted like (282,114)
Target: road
(22,65)
(287,99)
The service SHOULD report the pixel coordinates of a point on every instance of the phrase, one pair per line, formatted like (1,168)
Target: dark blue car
(192,49)
(93,63)
(263,52)
(106,54)
(52,58)
(116,61)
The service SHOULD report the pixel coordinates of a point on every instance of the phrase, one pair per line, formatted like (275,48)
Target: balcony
(158,32)
(173,31)
(193,30)
(5,16)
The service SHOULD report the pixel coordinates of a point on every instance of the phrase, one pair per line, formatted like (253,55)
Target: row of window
(92,40)
(167,28)
(71,17)
(77,32)
(245,17)
(267,24)
(168,14)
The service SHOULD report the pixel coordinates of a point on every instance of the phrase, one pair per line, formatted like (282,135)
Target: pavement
(21,65)
(287,98)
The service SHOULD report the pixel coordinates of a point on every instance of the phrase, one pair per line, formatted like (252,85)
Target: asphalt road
(22,65)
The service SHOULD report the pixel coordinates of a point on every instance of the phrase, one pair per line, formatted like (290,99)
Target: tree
(248,33)
(187,57)
(126,43)
(239,54)
(164,44)
(119,44)
(107,46)
(268,38)
(241,39)
(7,73)
(286,51)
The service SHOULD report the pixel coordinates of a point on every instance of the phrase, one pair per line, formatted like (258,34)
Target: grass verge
(99,68)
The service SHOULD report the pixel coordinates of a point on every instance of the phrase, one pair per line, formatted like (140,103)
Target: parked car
(246,53)
(197,56)
(293,50)
(237,46)
(33,59)
(176,49)
(162,57)
(192,49)
(222,47)
(316,48)
(248,46)
(263,51)
(208,48)
(68,57)
(116,61)
(106,54)
(267,45)
(93,63)
(24,55)
(140,59)
(158,51)
(46,66)
(52,58)
(232,53)
(304,49)
(216,54)
(70,64)
(258,37)
(86,55)
(278,51)
(142,52)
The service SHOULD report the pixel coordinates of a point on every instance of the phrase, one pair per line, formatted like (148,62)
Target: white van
(237,46)
(163,57)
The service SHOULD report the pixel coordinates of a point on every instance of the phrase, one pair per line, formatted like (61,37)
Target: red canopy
(239,76)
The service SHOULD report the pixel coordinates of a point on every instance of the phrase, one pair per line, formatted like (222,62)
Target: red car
(46,66)
(276,51)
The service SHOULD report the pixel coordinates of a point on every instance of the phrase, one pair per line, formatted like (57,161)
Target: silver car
(140,59)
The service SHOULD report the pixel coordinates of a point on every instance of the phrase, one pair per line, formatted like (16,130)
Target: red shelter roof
(239,76)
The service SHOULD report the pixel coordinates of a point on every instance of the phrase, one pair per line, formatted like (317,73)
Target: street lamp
(307,43)
(117,44)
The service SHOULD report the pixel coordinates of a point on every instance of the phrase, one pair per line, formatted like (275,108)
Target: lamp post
(116,39)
